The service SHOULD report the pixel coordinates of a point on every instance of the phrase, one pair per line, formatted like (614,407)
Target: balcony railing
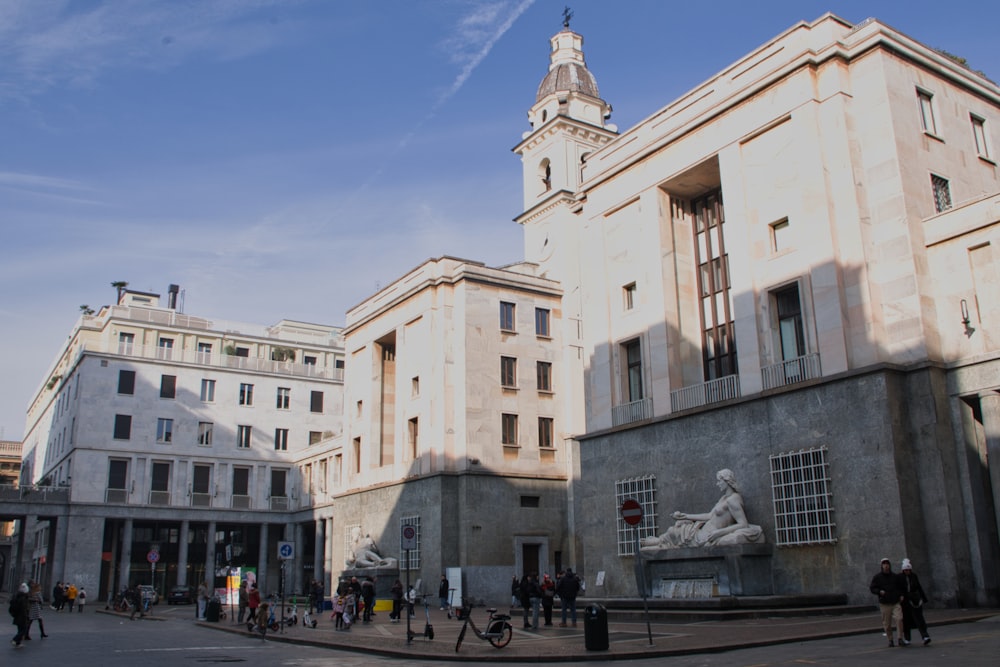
(635,411)
(116,496)
(714,391)
(279,503)
(241,502)
(791,371)
(159,497)
(35,494)
(214,360)
(201,500)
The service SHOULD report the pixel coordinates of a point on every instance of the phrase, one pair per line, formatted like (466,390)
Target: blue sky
(284,158)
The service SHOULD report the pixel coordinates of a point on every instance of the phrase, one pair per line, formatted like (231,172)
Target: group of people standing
(900,599)
(67,595)
(531,594)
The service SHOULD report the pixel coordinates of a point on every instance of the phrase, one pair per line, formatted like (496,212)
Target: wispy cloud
(36,185)
(46,43)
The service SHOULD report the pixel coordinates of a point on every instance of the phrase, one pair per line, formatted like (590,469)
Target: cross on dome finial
(567,16)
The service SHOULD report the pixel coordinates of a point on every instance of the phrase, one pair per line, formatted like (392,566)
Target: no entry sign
(632,512)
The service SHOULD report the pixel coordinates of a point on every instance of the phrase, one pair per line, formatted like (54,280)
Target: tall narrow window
(205,433)
(414,434)
(507,322)
(942,193)
(927,121)
(543,372)
(718,346)
(356,445)
(980,137)
(126,343)
(284,398)
(316,401)
(628,296)
(204,353)
(126,382)
(508,429)
(123,427)
(201,486)
(545,428)
(165,348)
(246,394)
(791,335)
(508,372)
(633,370)
(159,484)
(779,236)
(208,391)
(278,483)
(164,430)
(241,487)
(117,491)
(168,386)
(281,439)
(243,436)
(542,316)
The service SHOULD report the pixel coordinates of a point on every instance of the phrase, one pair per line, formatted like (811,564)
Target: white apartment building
(199,440)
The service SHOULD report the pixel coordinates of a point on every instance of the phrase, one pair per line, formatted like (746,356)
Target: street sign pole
(631,512)
(406,599)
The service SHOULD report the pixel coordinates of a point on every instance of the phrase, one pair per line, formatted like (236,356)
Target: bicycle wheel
(461,636)
(500,633)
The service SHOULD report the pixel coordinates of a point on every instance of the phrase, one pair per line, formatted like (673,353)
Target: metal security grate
(800,487)
(643,490)
(414,563)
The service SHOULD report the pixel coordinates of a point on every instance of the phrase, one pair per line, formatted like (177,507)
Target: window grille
(942,193)
(414,562)
(643,490)
(800,486)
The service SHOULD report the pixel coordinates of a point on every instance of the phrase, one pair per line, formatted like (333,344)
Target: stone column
(990,405)
(125,566)
(60,530)
(182,553)
(262,559)
(294,581)
(210,557)
(319,553)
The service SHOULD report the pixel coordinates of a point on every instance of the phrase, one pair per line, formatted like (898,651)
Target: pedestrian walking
(81,599)
(888,586)
(19,610)
(913,603)
(35,604)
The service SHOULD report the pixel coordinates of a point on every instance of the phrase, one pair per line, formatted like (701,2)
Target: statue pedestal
(703,572)
(384,578)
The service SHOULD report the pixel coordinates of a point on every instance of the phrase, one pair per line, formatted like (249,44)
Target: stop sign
(632,512)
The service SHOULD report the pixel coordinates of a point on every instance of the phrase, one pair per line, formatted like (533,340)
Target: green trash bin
(212,610)
(595,628)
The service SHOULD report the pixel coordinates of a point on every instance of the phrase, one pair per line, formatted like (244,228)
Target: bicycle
(498,629)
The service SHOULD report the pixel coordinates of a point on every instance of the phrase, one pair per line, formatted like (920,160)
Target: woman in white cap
(19,611)
(913,604)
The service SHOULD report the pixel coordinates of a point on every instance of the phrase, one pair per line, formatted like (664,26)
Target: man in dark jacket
(368,595)
(567,588)
(889,587)
(19,607)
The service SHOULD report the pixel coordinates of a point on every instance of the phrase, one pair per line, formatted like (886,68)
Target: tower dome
(568,72)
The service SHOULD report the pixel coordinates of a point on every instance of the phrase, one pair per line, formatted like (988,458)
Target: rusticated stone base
(743,569)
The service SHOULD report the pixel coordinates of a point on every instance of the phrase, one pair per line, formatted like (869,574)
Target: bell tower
(568,122)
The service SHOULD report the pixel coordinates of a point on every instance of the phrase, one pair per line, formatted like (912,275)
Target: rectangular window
(165,348)
(284,398)
(414,554)
(632,358)
(415,386)
(278,483)
(164,430)
(243,436)
(308,360)
(543,375)
(126,343)
(117,491)
(168,386)
(338,469)
(356,446)
(242,352)
(246,394)
(123,427)
(791,334)
(507,322)
(413,428)
(316,401)
(281,439)
(542,317)
(545,428)
(204,353)
(942,193)
(208,391)
(800,487)
(126,382)
(315,436)
(643,491)
(927,121)
(205,433)
(979,136)
(509,429)
(159,484)
(628,296)
(508,372)
(531,502)
(201,486)
(241,488)
(779,236)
